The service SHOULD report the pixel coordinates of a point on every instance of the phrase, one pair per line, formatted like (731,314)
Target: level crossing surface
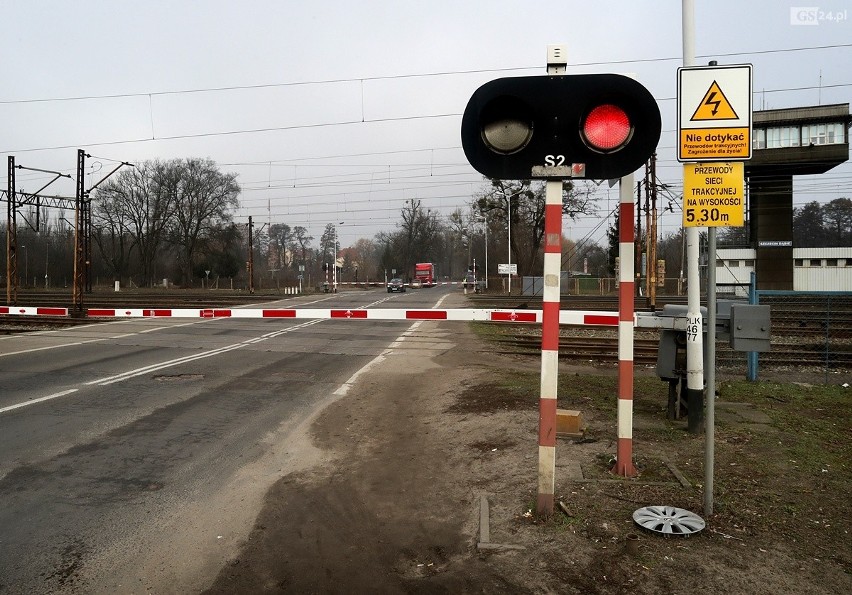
(145,445)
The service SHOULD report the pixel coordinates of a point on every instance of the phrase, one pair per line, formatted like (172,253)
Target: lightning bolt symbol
(710,101)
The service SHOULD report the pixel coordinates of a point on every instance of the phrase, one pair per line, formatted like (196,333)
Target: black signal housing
(538,127)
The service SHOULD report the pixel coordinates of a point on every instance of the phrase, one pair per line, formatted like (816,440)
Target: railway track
(808,331)
(605,349)
(568,302)
(16,324)
(587,348)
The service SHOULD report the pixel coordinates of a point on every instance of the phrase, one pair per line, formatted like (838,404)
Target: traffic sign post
(714,124)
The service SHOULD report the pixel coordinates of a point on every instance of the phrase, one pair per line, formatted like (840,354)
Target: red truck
(425,271)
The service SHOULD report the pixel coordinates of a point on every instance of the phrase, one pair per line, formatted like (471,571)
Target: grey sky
(341,110)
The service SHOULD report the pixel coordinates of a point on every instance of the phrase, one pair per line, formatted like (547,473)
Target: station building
(786,143)
(814,269)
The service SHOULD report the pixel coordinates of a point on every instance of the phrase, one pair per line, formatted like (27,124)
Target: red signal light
(607,128)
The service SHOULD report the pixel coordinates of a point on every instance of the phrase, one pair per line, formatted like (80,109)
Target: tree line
(175,219)
(166,214)
(826,225)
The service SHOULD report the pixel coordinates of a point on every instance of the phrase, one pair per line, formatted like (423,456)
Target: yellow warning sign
(714,106)
(713,194)
(714,113)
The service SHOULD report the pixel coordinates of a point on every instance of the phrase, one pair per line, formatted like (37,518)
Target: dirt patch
(394,508)
(492,397)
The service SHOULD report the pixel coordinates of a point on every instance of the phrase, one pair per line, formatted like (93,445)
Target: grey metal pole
(509,212)
(486,252)
(751,370)
(334,263)
(709,431)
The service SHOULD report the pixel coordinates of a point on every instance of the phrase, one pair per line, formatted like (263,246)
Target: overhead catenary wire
(410,75)
(824,188)
(362,120)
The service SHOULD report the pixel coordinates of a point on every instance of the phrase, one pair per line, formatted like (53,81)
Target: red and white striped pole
(626,252)
(556,64)
(549,347)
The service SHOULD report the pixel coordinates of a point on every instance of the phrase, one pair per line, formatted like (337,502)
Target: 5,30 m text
(705,216)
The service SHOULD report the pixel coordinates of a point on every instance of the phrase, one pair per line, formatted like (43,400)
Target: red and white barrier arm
(566,317)
(33,311)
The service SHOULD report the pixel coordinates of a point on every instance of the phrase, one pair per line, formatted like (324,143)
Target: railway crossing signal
(596,126)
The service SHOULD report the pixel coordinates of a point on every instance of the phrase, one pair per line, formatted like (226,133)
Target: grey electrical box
(671,351)
(750,327)
(671,354)
(723,319)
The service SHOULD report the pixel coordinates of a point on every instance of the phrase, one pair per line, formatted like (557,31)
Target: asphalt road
(144,447)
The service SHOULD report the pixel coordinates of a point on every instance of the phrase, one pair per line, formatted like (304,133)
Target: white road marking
(344,388)
(190,358)
(34,349)
(75,343)
(39,400)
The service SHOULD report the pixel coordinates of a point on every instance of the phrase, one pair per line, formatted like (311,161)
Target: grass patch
(782,466)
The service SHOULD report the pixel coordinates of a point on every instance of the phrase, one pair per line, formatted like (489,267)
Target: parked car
(396,284)
(416,283)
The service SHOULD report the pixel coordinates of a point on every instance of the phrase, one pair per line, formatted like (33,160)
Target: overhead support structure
(80,264)
(11,238)
(15,199)
(83,231)
(250,261)
(81,204)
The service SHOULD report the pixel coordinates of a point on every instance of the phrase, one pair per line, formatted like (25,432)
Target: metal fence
(811,332)
(811,336)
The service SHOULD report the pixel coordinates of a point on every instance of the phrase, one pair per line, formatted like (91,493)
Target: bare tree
(134,201)
(524,202)
(279,235)
(365,256)
(417,235)
(203,199)
(111,233)
(302,241)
